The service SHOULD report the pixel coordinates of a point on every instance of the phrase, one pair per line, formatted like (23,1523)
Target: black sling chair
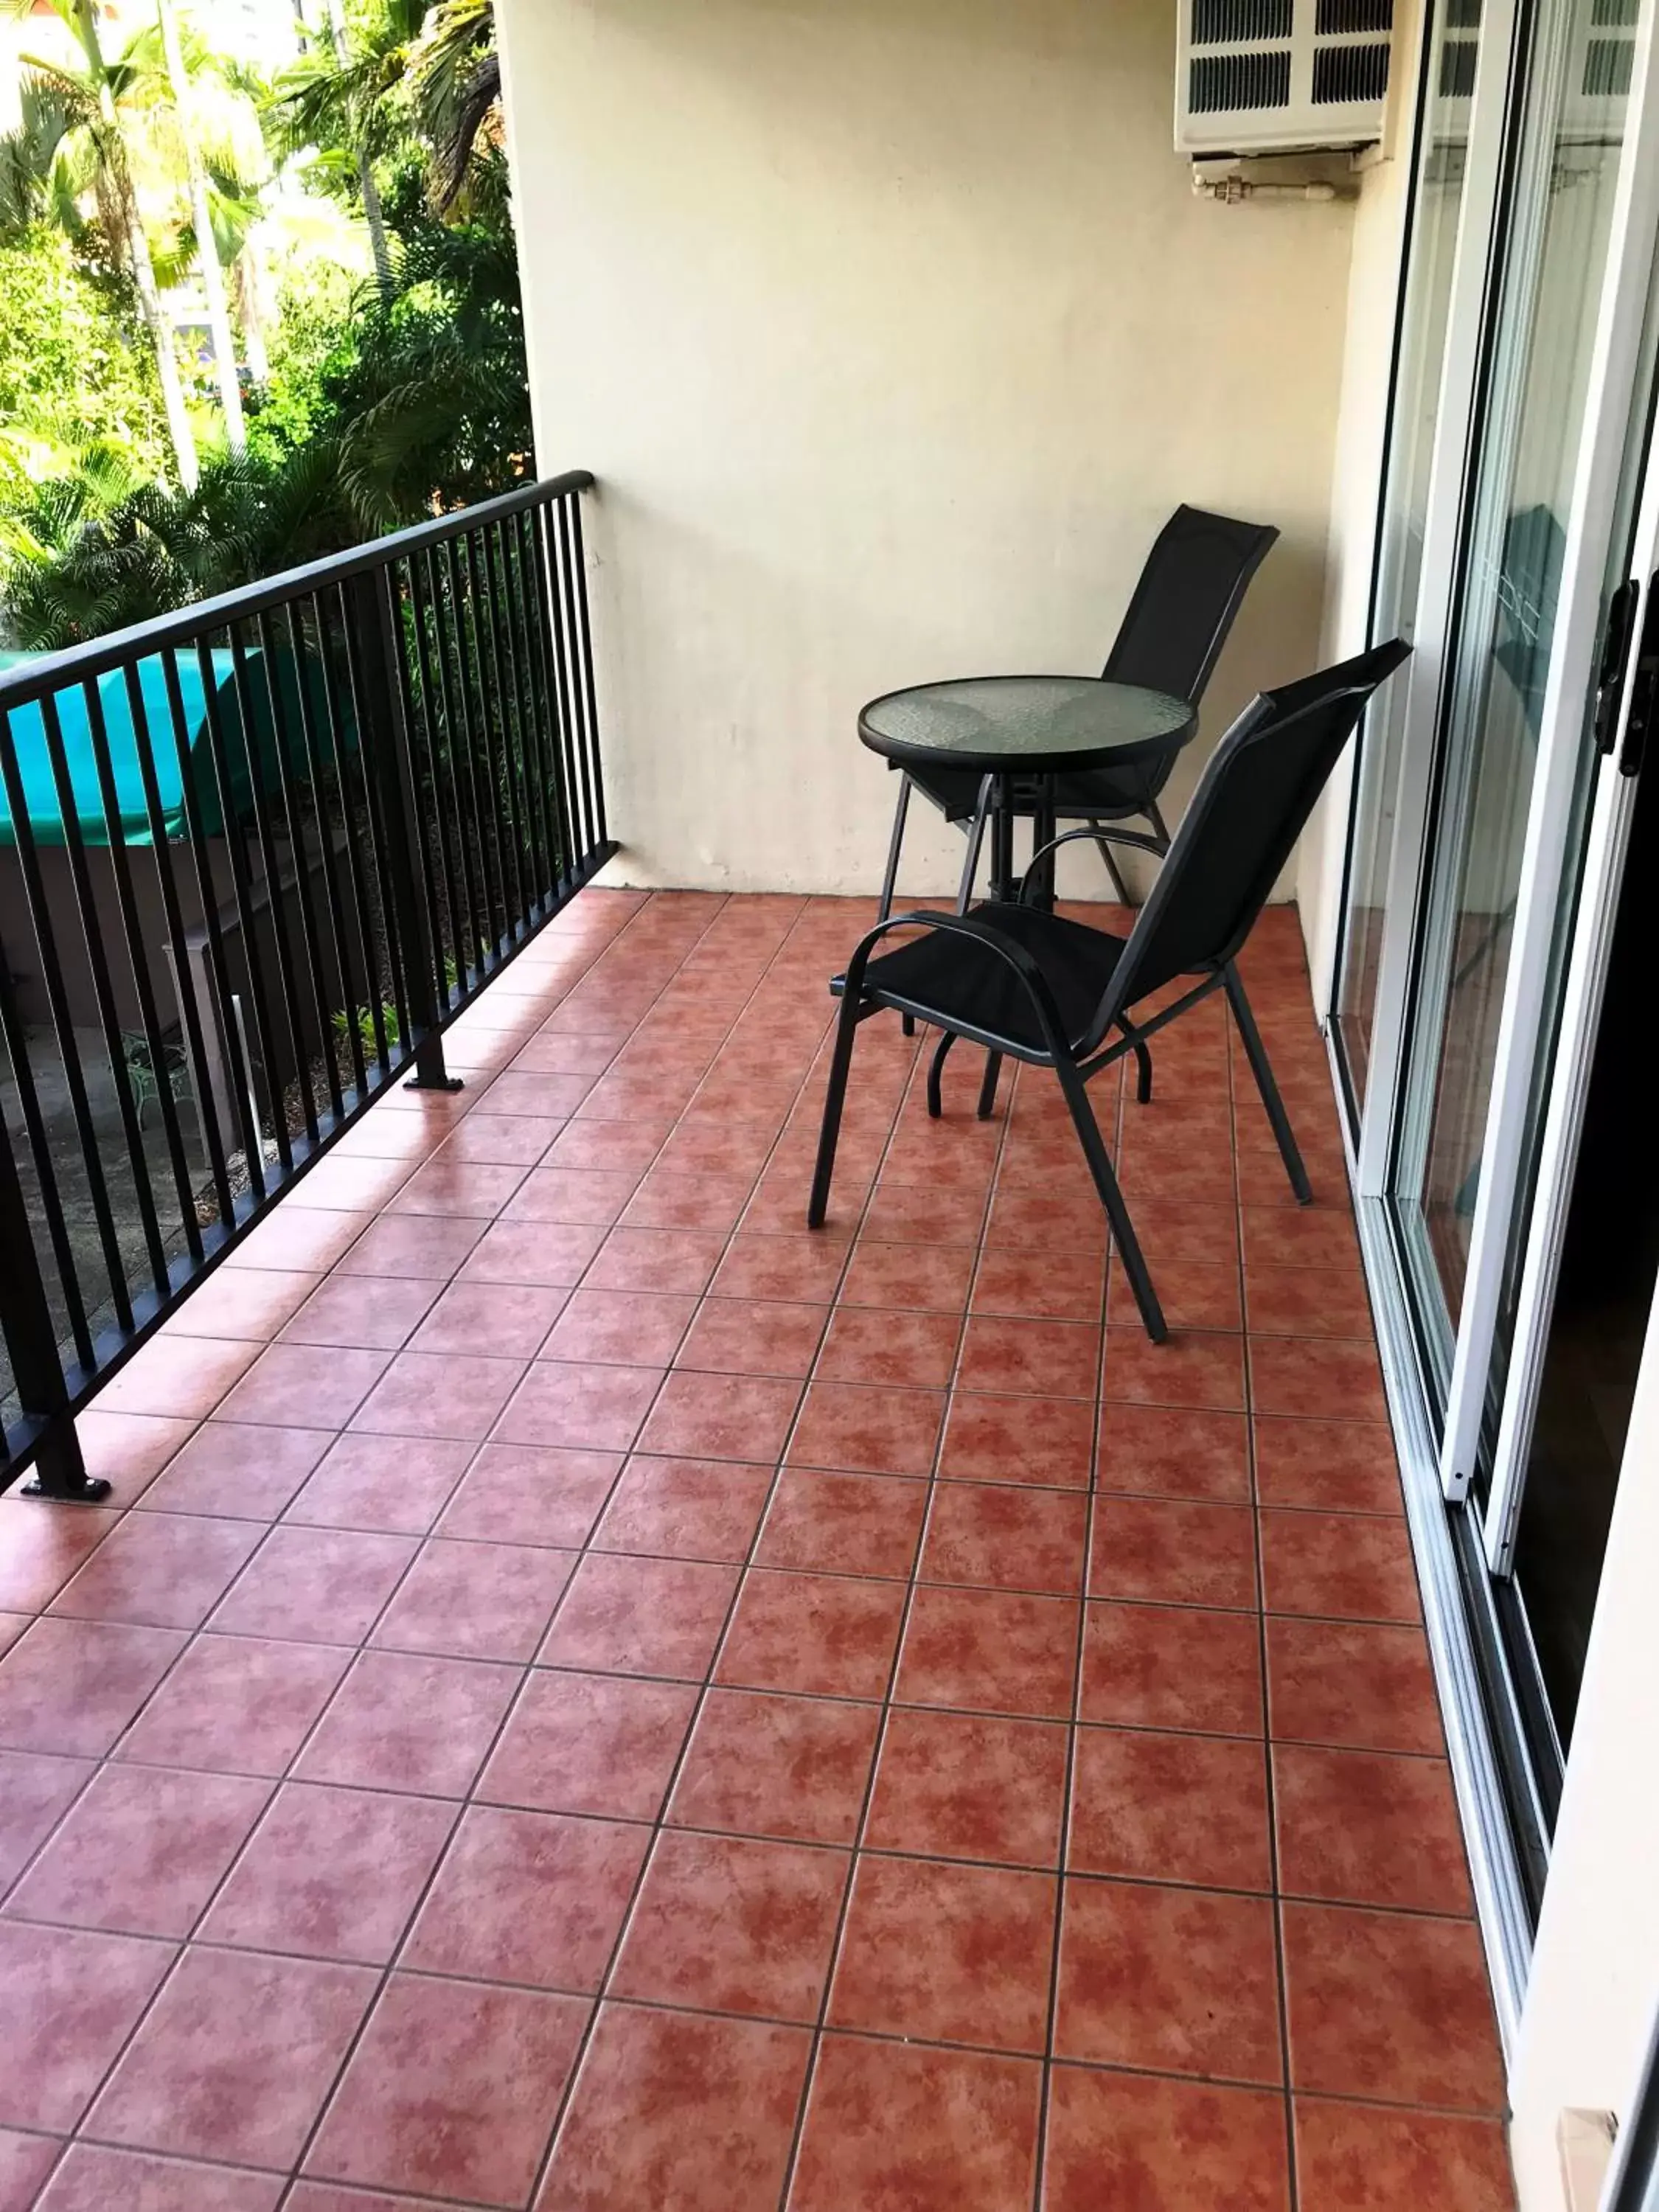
(1189,590)
(1041,989)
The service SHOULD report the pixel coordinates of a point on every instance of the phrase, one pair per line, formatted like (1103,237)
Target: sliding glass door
(1530,457)
(1490,816)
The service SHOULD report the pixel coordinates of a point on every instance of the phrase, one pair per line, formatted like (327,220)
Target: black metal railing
(253,858)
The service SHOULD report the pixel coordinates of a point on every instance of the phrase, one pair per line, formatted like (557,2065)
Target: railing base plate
(91,1490)
(438,1083)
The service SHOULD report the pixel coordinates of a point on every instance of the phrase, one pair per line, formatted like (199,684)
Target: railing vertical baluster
(369,932)
(103,984)
(63,1022)
(489,880)
(547,592)
(584,638)
(35,1127)
(299,861)
(422,738)
(558,567)
(369,799)
(432,879)
(452,821)
(513,555)
(535,849)
(230,828)
(536,604)
(496,692)
(325,856)
(372,642)
(507,859)
(144,992)
(240,1073)
(189,1013)
(275,899)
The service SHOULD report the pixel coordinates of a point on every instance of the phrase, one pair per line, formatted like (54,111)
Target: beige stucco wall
(893,332)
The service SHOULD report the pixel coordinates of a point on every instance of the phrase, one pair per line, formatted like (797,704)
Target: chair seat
(954,981)
(1091,794)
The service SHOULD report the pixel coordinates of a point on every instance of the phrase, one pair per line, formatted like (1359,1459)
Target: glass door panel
(1438,208)
(1529,456)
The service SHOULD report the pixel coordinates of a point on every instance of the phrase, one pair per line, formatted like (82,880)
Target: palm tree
(458,90)
(342,94)
(201,215)
(77,141)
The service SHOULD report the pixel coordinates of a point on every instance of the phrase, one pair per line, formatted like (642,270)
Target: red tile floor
(588,1696)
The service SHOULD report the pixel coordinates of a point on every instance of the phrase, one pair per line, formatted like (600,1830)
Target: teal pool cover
(132,826)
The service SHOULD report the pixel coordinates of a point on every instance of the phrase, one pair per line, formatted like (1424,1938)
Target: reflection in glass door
(1528,459)
(1551,1533)
(1439,199)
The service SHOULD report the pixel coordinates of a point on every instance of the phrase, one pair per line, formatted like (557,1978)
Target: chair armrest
(1104,835)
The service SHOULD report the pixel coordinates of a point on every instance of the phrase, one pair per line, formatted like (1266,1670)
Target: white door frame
(1424,674)
(1615,362)
(1583,995)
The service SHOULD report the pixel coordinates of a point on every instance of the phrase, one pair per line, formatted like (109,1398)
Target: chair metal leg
(833,1099)
(1143,1063)
(1112,870)
(895,845)
(1160,828)
(1111,1197)
(1256,1052)
(935,1071)
(988,1088)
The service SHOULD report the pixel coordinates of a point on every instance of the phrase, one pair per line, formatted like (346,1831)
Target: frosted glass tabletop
(1026,724)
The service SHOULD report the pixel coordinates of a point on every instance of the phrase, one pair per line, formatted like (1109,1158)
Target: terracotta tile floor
(588,1696)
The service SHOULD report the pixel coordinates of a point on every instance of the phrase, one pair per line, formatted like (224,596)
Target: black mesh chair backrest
(1252,803)
(1184,606)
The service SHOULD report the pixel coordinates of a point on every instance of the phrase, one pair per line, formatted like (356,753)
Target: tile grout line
(465,1802)
(107,1758)
(602,1996)
(1282,1991)
(1040,2163)
(914,1582)
(820,2026)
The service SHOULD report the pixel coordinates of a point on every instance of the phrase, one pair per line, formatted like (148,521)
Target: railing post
(31,1343)
(385,743)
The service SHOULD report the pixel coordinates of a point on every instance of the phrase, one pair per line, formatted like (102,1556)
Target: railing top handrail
(80,664)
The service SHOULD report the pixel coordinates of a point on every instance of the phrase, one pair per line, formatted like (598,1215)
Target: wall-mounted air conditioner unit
(1280,77)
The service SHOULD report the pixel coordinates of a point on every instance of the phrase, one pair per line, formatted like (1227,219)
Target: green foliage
(386,400)
(430,394)
(74,371)
(81,562)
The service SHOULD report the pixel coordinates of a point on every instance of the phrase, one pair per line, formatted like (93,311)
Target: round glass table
(1016,735)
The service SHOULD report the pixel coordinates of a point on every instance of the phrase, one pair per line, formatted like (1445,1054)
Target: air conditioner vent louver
(1607,68)
(1458,60)
(1350,73)
(1225,22)
(1241,81)
(1334,17)
(1261,76)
